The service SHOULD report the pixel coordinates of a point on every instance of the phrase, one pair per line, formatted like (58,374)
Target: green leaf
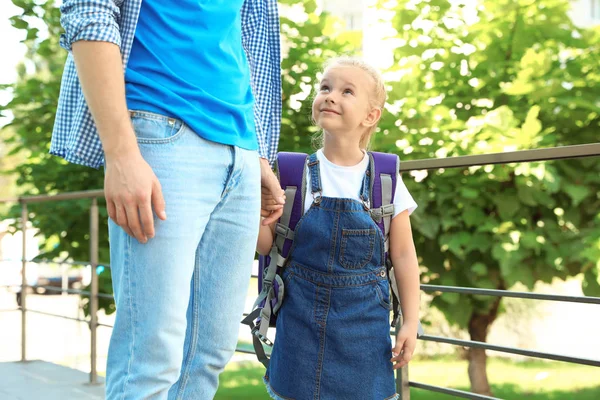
(576,192)
(591,282)
(428,226)
(479,269)
(526,195)
(507,204)
(531,127)
(473,216)
(469,193)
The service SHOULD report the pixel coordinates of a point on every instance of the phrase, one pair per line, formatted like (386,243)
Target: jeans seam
(193,334)
(126,266)
(333,242)
(322,336)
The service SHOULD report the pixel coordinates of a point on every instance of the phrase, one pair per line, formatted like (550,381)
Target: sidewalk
(35,380)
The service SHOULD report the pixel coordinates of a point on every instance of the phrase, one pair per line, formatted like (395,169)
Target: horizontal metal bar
(553,153)
(57,315)
(105,325)
(244,351)
(10,309)
(510,293)
(86,194)
(512,350)
(106,296)
(71,263)
(452,392)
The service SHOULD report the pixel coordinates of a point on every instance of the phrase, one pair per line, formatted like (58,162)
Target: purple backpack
(291,172)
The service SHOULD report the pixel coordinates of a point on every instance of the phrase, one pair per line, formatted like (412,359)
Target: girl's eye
(348,91)
(324,88)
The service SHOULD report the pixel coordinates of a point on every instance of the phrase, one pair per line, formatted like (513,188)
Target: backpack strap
(290,169)
(385,168)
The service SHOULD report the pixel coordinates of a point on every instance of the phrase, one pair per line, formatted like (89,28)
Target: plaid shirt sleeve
(92,20)
(75,137)
(260,38)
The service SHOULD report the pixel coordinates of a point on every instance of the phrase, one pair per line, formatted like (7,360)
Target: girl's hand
(406,340)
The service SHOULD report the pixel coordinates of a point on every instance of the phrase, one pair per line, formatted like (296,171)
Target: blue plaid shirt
(75,136)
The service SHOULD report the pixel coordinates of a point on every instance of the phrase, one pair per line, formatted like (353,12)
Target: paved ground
(35,380)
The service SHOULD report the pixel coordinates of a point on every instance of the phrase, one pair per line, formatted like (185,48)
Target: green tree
(64,225)
(308,40)
(490,76)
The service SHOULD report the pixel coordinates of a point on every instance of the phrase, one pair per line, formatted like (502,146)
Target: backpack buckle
(387,210)
(284,231)
(263,338)
(381,212)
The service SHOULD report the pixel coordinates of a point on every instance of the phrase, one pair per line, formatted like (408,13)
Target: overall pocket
(357,247)
(382,290)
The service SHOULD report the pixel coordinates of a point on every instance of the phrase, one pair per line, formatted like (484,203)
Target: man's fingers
(112,210)
(272,185)
(133,219)
(122,219)
(147,219)
(158,201)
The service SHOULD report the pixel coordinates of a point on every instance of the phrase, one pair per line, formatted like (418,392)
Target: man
(174,99)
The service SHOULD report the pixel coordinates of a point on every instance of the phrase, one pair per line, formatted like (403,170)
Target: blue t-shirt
(187,62)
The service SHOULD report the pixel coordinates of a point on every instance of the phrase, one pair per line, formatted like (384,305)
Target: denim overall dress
(333,328)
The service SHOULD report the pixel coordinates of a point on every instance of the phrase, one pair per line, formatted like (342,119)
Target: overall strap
(316,188)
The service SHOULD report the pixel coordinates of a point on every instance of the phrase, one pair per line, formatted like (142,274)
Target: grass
(531,380)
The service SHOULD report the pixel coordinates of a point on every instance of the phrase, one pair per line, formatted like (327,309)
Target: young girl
(333,328)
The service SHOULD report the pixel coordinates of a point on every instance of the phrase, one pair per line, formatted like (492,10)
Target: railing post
(402,387)
(24,220)
(94,288)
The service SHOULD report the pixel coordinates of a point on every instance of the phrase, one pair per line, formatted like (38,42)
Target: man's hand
(131,190)
(272,196)
(406,341)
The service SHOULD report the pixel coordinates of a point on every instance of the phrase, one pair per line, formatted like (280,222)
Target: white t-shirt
(346,182)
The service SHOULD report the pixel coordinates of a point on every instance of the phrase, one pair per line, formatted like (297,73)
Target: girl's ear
(372,117)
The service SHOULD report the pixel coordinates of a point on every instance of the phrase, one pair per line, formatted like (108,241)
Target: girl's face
(342,105)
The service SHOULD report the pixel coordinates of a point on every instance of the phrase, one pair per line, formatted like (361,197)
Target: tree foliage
(504,75)
(468,77)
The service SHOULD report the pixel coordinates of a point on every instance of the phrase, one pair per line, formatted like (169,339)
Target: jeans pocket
(357,247)
(153,128)
(382,289)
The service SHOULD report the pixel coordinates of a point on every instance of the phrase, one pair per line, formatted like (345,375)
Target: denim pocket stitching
(169,139)
(382,302)
(348,264)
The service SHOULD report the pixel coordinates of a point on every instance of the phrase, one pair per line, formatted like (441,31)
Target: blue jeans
(180,297)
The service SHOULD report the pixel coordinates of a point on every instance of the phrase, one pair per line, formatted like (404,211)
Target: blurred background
(468,77)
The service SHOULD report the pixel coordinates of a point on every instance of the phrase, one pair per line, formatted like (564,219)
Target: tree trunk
(478,329)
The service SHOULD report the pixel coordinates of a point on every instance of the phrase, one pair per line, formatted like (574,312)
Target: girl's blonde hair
(377,95)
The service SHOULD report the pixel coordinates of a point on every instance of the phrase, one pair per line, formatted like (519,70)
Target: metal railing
(403,383)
